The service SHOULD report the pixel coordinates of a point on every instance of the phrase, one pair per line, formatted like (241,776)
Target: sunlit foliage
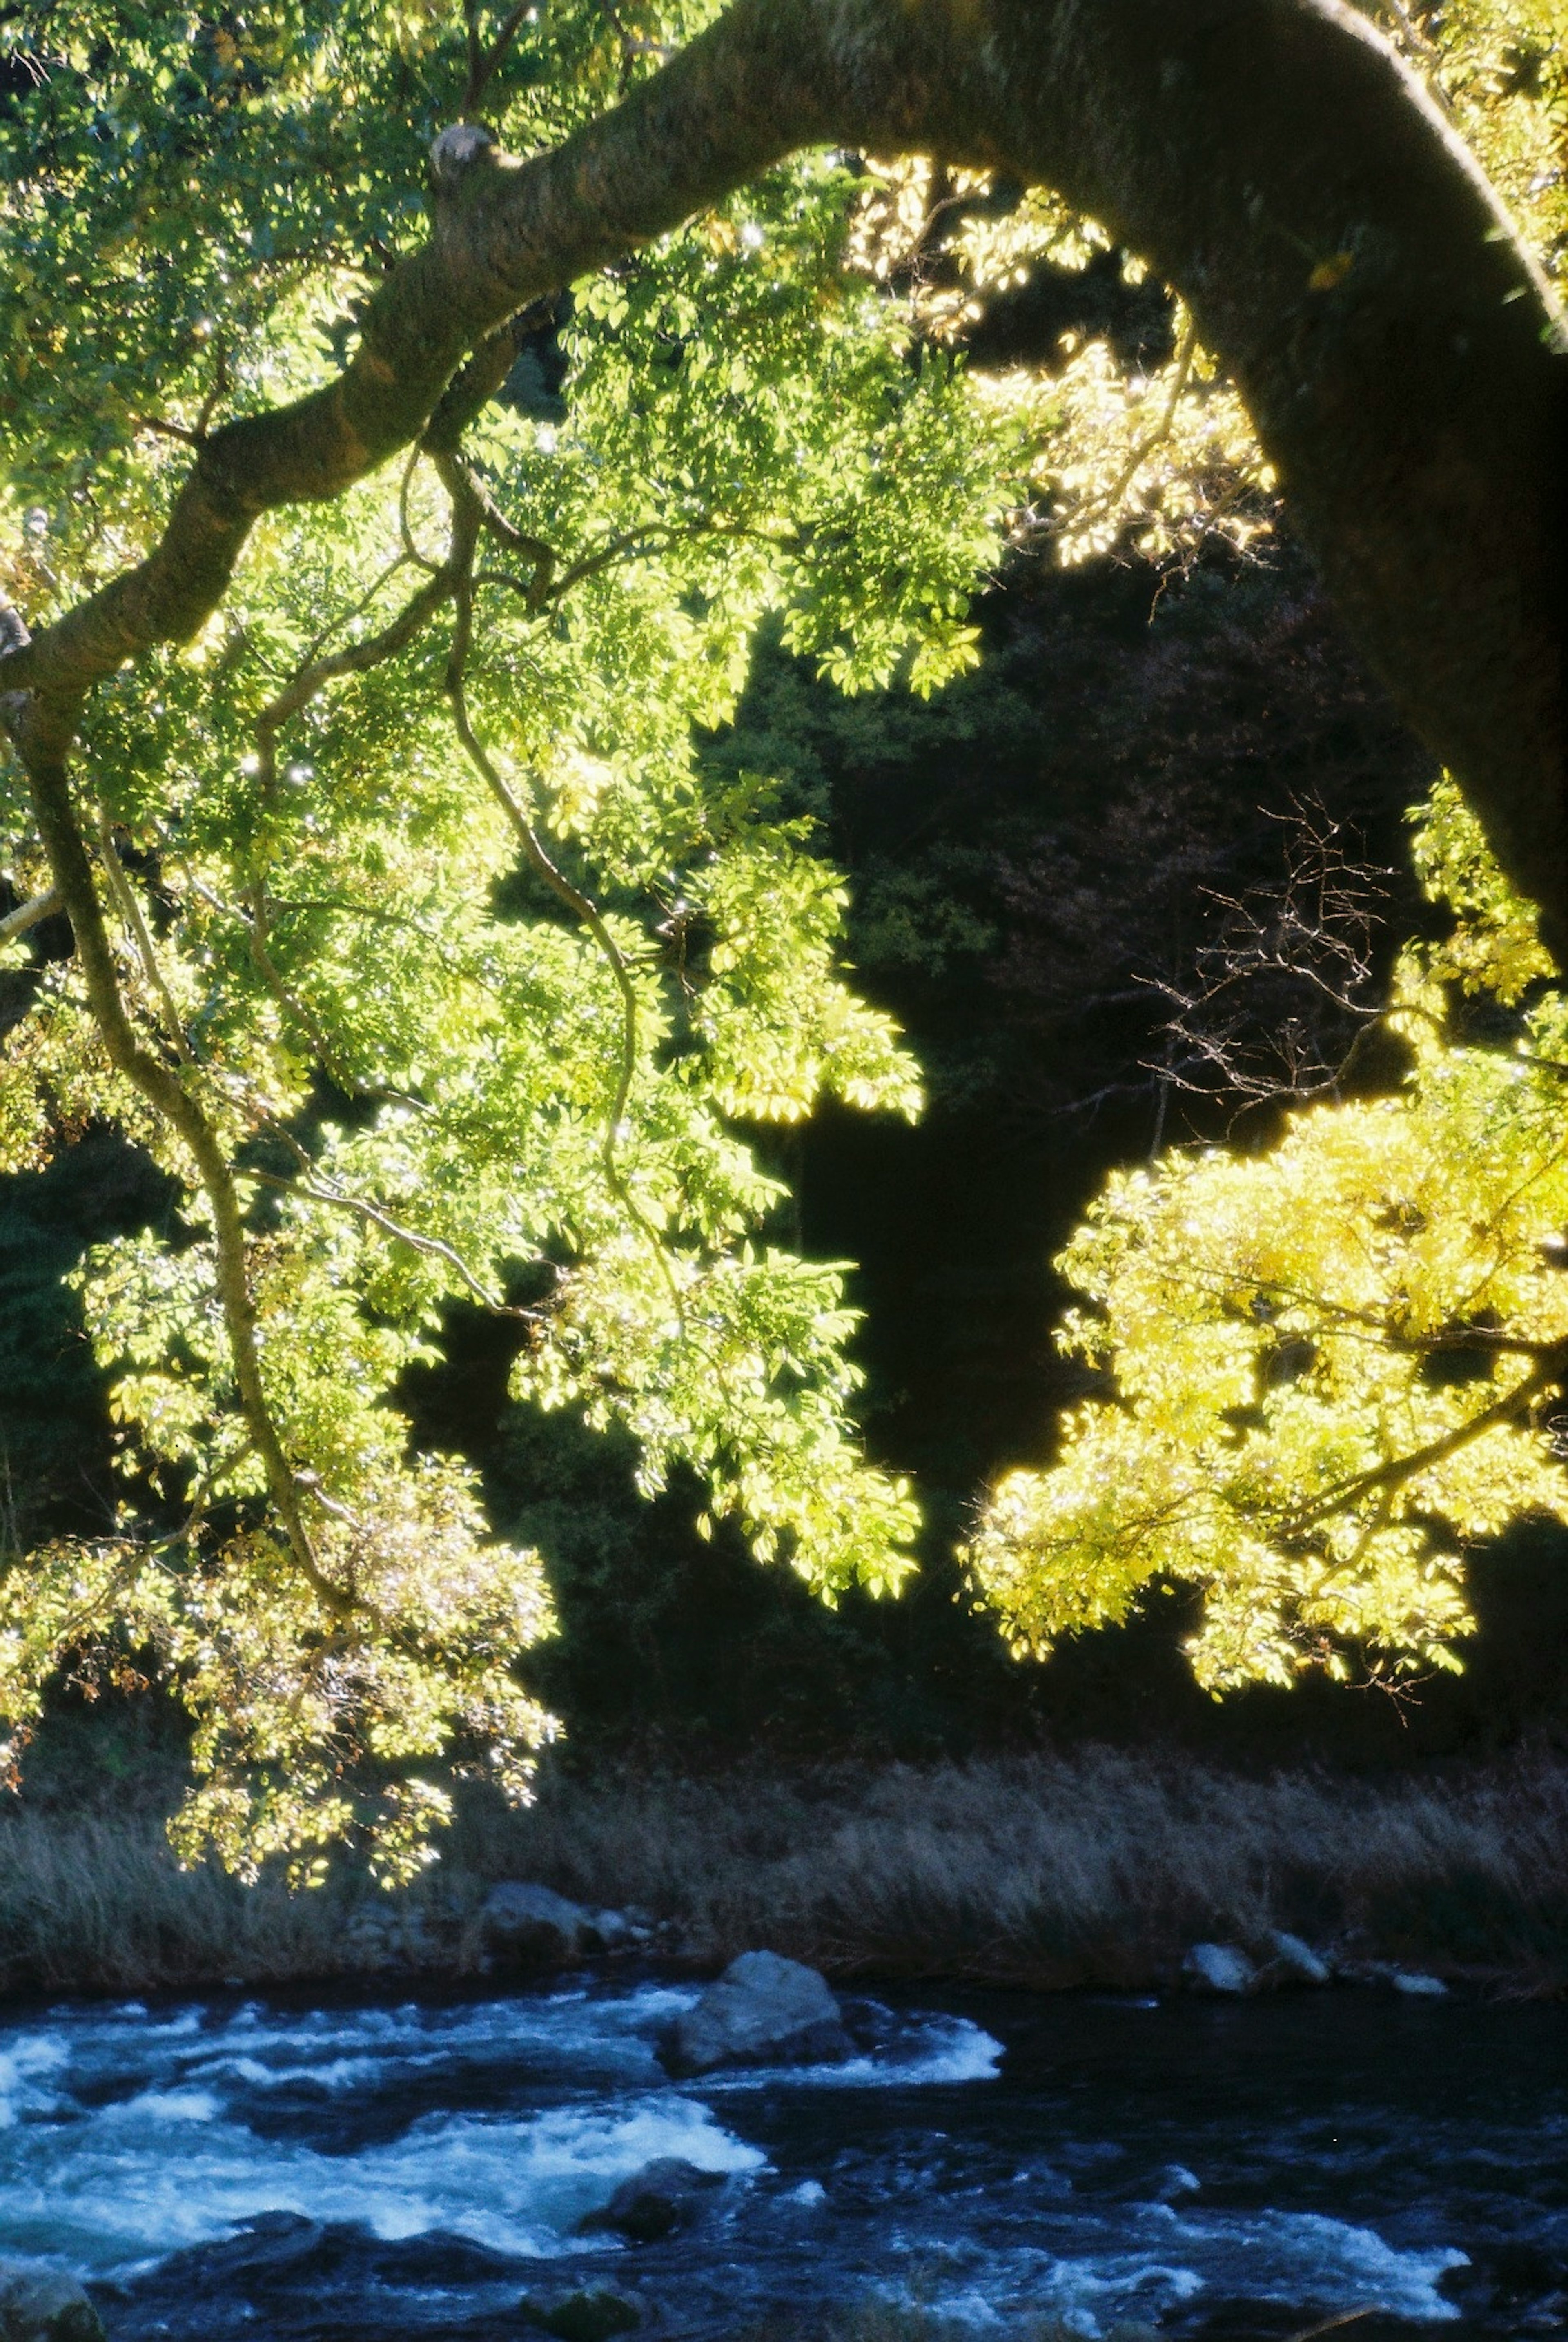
(1501,67)
(461,978)
(1157,461)
(474,979)
(1329,1368)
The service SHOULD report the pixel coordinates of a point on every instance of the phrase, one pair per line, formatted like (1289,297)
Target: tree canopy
(406,931)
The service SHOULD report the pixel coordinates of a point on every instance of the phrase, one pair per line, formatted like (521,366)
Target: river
(401,2170)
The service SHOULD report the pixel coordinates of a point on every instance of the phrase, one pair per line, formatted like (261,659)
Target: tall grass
(1095,1868)
(97,1903)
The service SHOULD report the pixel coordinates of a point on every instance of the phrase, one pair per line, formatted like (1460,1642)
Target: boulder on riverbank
(385,1933)
(38,2304)
(763,2011)
(1295,1962)
(534,1927)
(1219,1970)
(1393,1976)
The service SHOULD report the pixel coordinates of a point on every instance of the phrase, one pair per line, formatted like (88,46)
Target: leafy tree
(1331,1366)
(409,937)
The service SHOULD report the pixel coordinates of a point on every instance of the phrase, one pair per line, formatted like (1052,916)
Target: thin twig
(1112,497)
(356,610)
(339,1199)
(420,560)
(559,885)
(357,659)
(130,912)
(288,999)
(162,430)
(465,530)
(484,63)
(639,540)
(218,391)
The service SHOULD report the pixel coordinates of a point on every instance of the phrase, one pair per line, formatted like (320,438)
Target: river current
(405,2170)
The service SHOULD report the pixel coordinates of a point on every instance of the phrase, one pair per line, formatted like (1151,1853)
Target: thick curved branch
(1340,250)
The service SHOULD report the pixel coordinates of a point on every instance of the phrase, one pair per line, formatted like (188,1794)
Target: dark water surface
(401,2171)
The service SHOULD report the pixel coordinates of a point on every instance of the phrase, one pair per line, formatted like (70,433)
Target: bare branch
(340,1199)
(1278,1003)
(28,914)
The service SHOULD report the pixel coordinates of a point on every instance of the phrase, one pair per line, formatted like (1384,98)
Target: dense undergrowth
(1043,1872)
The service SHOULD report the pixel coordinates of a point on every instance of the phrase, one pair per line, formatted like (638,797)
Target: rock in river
(589,2313)
(763,2011)
(611,1931)
(37,2303)
(1297,1962)
(656,2201)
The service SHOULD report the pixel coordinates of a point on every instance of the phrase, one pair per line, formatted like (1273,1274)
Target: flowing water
(382,2171)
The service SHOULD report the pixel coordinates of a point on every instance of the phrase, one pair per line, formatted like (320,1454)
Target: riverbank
(1094,1870)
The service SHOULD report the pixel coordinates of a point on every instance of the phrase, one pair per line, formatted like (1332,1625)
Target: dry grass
(97,1903)
(1095,1868)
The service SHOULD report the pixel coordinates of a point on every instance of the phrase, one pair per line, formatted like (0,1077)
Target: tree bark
(1400,354)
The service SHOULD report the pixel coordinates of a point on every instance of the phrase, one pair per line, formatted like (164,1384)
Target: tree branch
(339,1199)
(28,914)
(1401,356)
(168,1094)
(130,910)
(482,62)
(1548,1375)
